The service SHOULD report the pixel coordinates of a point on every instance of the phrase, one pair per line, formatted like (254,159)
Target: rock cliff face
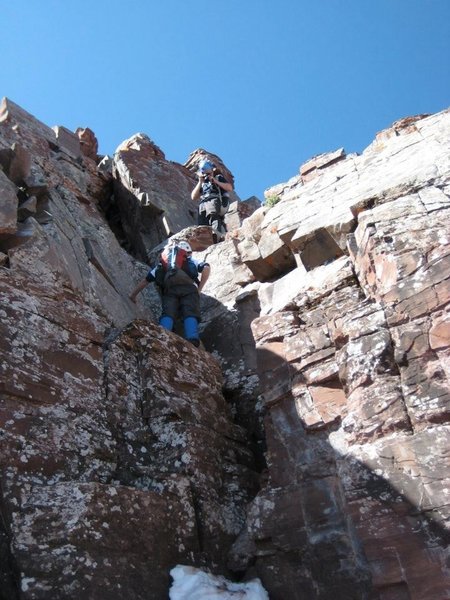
(308,445)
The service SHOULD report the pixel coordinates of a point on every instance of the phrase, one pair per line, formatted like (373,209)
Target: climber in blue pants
(180,279)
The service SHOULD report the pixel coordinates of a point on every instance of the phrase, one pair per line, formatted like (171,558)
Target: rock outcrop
(198,155)
(151,194)
(307,446)
(105,420)
(353,358)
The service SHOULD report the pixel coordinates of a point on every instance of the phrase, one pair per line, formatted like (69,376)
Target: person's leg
(169,310)
(209,208)
(214,221)
(190,313)
(166,322)
(191,330)
(218,227)
(202,218)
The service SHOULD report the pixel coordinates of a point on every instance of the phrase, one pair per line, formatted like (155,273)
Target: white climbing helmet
(206,165)
(184,246)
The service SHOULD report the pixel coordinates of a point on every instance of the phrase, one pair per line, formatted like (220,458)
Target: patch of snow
(190,583)
(25,583)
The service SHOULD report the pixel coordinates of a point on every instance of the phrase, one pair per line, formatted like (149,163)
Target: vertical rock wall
(326,315)
(353,353)
(119,456)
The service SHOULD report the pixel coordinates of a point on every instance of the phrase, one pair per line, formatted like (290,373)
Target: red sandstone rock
(8,206)
(88,142)
(326,314)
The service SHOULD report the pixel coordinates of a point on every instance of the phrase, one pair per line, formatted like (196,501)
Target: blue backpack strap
(160,274)
(191,269)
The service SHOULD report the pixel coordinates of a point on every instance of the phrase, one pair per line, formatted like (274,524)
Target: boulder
(151,193)
(88,142)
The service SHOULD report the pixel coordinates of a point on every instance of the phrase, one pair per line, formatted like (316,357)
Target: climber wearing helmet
(212,189)
(177,277)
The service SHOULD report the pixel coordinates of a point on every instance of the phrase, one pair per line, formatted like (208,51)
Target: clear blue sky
(264,84)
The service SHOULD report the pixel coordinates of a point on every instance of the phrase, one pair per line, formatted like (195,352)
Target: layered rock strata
(126,451)
(353,353)
(119,455)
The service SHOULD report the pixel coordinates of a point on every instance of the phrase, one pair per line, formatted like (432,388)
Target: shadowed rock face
(125,451)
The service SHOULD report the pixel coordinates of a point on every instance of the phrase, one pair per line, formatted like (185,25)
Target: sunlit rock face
(353,357)
(125,451)
(60,238)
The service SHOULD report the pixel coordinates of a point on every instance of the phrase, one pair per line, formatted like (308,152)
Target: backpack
(173,257)
(175,268)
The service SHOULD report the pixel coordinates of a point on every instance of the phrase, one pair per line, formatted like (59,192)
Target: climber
(213,191)
(176,276)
